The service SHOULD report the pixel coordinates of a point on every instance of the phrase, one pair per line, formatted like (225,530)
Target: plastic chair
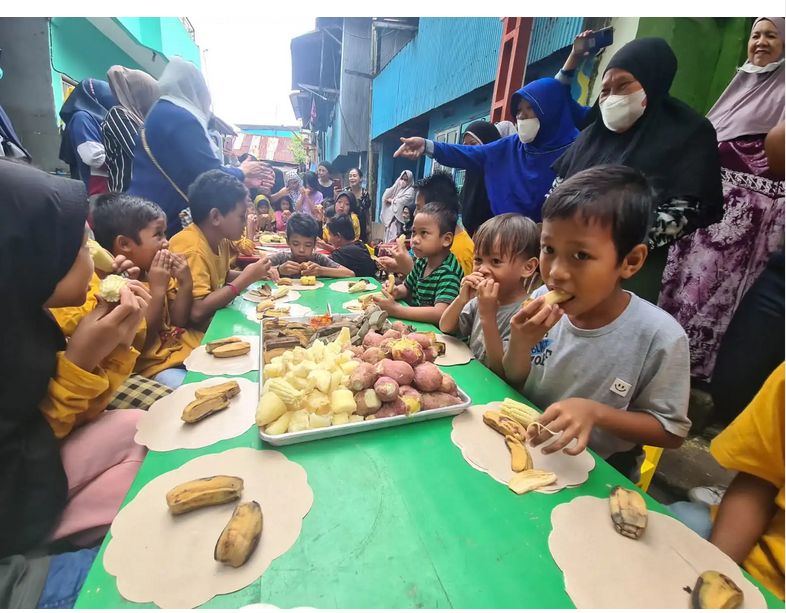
(651,459)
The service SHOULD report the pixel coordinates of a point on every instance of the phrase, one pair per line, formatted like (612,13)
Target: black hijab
(354,208)
(475,205)
(672,144)
(42,221)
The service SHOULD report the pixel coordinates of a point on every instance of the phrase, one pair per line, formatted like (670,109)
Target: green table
(399,518)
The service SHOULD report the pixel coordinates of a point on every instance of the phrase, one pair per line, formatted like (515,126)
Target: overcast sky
(247,63)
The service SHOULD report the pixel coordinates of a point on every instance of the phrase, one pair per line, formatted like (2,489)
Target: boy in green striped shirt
(435,280)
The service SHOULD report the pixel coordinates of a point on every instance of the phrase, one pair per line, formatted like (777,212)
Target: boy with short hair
(136,229)
(348,252)
(218,209)
(435,280)
(610,369)
(302,234)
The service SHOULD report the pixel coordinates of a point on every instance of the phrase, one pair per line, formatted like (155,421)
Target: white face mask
(753,69)
(621,112)
(528,129)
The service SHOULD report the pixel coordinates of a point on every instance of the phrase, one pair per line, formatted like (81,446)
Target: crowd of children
(610,370)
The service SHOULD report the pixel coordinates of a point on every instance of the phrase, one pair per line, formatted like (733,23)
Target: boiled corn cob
(358,286)
(520,412)
(286,392)
(103,260)
(280,293)
(308,280)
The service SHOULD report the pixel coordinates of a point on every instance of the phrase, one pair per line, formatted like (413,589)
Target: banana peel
(531,480)
(203,407)
(241,536)
(232,350)
(505,425)
(520,459)
(714,590)
(213,345)
(230,389)
(628,512)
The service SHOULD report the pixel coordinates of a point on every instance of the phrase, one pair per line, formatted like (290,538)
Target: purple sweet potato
(367,402)
(448,385)
(430,354)
(437,400)
(391,409)
(394,334)
(400,372)
(363,377)
(411,398)
(399,326)
(423,340)
(428,377)
(386,388)
(372,355)
(372,339)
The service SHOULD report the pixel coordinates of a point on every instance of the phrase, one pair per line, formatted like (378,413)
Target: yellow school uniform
(76,396)
(244,246)
(208,270)
(754,444)
(172,346)
(356,226)
(464,250)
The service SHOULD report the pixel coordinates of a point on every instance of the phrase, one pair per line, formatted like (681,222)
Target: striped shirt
(442,285)
(118,132)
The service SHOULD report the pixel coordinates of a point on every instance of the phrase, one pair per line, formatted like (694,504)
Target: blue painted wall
(549,34)
(277,133)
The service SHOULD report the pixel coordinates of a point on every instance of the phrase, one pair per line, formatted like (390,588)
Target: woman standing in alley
(136,93)
(396,198)
(709,272)
(363,198)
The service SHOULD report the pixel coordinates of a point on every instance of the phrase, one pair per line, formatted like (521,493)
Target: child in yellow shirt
(218,209)
(136,229)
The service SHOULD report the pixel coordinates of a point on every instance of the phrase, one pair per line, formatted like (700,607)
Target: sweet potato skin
(437,400)
(363,377)
(372,339)
(448,385)
(391,409)
(387,389)
(400,372)
(373,355)
(428,377)
(423,340)
(367,402)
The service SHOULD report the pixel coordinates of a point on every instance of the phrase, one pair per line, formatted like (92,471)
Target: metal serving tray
(292,438)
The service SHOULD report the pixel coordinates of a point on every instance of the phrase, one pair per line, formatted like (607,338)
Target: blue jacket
(518,176)
(181,147)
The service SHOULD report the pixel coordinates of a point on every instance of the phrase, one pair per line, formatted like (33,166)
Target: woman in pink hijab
(709,271)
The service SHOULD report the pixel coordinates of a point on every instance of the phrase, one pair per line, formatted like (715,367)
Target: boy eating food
(218,210)
(302,234)
(435,280)
(610,369)
(348,251)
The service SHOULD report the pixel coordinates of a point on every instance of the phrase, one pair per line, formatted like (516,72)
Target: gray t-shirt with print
(283,256)
(639,362)
(469,325)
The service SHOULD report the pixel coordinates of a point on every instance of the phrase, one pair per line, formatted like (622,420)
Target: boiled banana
(505,425)
(714,590)
(284,281)
(265,305)
(555,296)
(202,407)
(241,535)
(203,492)
(232,350)
(520,459)
(213,345)
(628,512)
(530,480)
(230,389)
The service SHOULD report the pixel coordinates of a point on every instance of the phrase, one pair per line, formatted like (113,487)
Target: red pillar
(513,50)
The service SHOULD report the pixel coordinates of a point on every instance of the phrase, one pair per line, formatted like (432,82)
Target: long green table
(399,517)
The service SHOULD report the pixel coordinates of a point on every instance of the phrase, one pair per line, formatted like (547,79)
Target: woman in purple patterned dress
(708,272)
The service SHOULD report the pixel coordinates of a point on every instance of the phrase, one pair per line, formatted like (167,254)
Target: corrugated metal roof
(271,148)
(550,34)
(448,58)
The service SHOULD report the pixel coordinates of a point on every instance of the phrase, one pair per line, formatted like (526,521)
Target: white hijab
(402,196)
(183,85)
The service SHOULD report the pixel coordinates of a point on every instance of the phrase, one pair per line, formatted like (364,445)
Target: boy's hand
(469,286)
(180,270)
(530,324)
(289,269)
(321,244)
(574,418)
(260,269)
(123,265)
(312,269)
(387,264)
(273,274)
(388,303)
(488,298)
(399,292)
(160,271)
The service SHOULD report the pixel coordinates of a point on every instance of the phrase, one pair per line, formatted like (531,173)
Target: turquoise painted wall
(166,35)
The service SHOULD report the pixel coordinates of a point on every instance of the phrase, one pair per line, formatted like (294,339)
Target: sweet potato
(430,354)
(400,372)
(411,397)
(372,355)
(423,340)
(399,326)
(448,385)
(394,334)
(386,388)
(363,377)
(437,400)
(387,347)
(372,339)
(428,377)
(391,409)
(357,351)
(367,402)
(406,350)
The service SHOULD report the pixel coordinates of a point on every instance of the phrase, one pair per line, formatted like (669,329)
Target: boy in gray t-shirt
(610,369)
(506,261)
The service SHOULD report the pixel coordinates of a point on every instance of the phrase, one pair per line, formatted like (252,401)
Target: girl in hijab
(174,146)
(640,125)
(136,93)
(517,170)
(395,199)
(475,205)
(55,485)
(708,273)
(80,146)
(294,185)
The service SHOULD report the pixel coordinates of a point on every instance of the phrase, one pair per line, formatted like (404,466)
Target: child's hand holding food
(572,418)
(530,324)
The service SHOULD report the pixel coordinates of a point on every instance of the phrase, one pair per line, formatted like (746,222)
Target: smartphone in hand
(597,40)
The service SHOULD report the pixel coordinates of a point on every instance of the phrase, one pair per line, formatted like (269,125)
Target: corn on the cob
(111,286)
(358,286)
(520,412)
(308,280)
(103,260)
(280,293)
(286,392)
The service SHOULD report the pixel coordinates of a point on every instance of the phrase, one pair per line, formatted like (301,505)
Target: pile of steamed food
(337,383)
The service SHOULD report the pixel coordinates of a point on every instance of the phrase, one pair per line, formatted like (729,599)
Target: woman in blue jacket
(174,147)
(517,168)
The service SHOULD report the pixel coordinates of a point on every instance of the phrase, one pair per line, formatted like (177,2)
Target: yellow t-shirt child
(464,250)
(208,270)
